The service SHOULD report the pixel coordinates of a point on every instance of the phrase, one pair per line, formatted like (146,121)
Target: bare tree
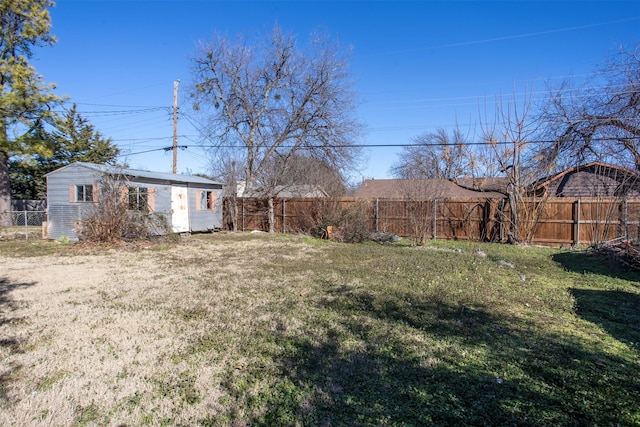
(509,134)
(420,197)
(435,155)
(302,170)
(228,170)
(276,99)
(601,122)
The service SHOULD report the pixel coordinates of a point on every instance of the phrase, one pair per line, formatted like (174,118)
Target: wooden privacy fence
(556,221)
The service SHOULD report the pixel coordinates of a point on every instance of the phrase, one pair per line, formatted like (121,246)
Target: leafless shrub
(532,211)
(606,216)
(111,219)
(419,209)
(346,223)
(420,215)
(310,216)
(625,251)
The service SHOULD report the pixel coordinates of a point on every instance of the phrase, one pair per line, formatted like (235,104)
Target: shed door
(179,210)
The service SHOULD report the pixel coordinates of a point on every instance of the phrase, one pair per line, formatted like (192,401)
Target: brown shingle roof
(417,188)
(595,167)
(595,179)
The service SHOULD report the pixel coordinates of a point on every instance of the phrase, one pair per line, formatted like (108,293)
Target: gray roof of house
(137,173)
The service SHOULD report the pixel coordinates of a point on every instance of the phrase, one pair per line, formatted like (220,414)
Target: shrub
(111,220)
(349,223)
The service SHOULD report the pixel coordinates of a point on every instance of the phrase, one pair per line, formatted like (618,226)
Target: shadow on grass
(10,344)
(6,302)
(432,363)
(617,312)
(587,262)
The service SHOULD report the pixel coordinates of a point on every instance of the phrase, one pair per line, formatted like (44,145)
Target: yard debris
(480,253)
(433,248)
(625,250)
(330,232)
(384,237)
(506,264)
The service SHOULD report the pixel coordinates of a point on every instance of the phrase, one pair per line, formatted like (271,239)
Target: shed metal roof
(137,173)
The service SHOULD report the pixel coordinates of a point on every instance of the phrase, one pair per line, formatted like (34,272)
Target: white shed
(188,203)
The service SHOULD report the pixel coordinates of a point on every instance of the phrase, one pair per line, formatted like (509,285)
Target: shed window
(84,193)
(139,198)
(207,200)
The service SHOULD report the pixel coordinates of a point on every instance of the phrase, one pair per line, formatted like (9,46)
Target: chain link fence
(24,225)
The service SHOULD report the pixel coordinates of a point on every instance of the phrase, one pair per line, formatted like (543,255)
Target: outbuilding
(188,203)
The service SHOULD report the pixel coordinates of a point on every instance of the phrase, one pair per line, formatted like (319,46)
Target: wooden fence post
(625,223)
(376,215)
(435,218)
(242,214)
(502,216)
(576,216)
(284,216)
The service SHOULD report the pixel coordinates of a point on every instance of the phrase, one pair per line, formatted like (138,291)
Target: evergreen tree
(73,139)
(25,100)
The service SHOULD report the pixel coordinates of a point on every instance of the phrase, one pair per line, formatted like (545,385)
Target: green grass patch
(375,335)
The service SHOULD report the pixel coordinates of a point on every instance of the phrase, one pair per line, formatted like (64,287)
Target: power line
(577,93)
(119,105)
(503,38)
(431,144)
(129,110)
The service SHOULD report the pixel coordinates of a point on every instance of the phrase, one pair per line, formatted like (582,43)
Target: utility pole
(175,125)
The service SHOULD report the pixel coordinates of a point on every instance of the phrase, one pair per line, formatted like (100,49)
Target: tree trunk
(272,217)
(234,213)
(5,190)
(513,235)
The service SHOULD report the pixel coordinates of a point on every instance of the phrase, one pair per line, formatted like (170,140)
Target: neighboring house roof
(593,179)
(136,173)
(414,188)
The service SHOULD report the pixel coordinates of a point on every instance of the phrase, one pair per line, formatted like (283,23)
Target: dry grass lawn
(99,338)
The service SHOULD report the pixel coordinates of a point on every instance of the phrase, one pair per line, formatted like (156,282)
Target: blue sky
(418,65)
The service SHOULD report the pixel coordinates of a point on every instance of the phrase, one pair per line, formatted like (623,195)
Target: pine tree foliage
(72,139)
(25,99)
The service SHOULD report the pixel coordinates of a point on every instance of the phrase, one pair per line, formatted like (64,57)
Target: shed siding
(62,221)
(201,218)
(159,193)
(58,184)
(63,214)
